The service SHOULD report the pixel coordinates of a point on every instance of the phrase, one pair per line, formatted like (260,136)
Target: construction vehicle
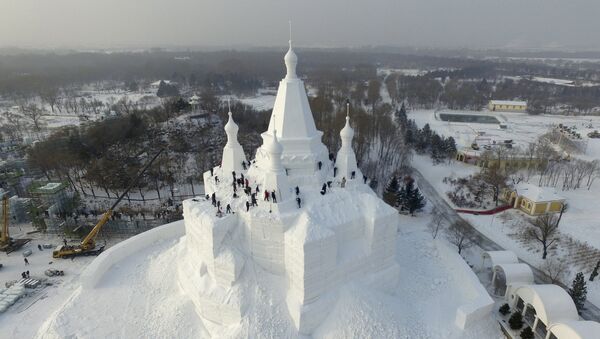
(87,246)
(7,244)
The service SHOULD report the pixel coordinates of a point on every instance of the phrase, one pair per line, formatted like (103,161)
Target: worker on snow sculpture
(233,174)
(297,190)
(266,195)
(324,189)
(228,209)
(253,197)
(343,182)
(320,164)
(247,206)
(274,197)
(334,171)
(299,201)
(353,175)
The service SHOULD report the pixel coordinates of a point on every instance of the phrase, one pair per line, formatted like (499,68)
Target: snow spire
(233,153)
(291,60)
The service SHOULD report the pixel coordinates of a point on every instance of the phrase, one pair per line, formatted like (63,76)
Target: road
(590,311)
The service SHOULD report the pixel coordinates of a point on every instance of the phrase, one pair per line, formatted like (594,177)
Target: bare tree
(544,229)
(437,223)
(34,114)
(458,235)
(555,269)
(50,95)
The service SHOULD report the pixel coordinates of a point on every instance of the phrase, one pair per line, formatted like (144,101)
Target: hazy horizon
(109,24)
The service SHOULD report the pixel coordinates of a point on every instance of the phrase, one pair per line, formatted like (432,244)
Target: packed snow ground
(140,297)
(23,319)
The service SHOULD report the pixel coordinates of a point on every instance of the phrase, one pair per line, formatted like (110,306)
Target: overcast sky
(560,24)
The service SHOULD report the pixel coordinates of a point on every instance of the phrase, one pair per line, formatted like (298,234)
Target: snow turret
(275,176)
(346,159)
(233,153)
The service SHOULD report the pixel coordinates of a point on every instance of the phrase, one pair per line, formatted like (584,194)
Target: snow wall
(481,304)
(99,266)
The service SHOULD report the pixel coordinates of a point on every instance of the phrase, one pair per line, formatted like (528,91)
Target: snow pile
(139,297)
(10,295)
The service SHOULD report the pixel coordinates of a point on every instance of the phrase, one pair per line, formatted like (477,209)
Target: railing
(485,212)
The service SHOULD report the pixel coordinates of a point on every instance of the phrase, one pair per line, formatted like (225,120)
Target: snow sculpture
(315,237)
(233,153)
(346,159)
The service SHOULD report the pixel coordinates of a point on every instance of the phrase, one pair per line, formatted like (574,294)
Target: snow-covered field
(140,298)
(522,128)
(581,221)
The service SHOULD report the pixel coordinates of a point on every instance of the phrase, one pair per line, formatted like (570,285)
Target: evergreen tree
(166,90)
(391,191)
(578,291)
(595,271)
(527,333)
(516,321)
(409,198)
(450,147)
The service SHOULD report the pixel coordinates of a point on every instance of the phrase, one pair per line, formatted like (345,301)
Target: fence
(485,212)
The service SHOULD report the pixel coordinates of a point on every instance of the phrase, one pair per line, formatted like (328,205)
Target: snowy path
(591,312)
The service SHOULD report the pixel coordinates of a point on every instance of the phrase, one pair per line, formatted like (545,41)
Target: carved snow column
(346,159)
(275,177)
(233,153)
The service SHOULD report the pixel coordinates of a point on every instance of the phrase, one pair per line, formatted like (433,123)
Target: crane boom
(4,237)
(88,241)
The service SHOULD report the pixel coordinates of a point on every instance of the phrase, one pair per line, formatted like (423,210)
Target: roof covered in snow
(516,273)
(501,257)
(576,329)
(536,193)
(551,303)
(508,102)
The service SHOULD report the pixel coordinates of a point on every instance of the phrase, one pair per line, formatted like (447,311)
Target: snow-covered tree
(578,291)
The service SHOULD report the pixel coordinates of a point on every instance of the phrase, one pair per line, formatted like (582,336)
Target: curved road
(590,311)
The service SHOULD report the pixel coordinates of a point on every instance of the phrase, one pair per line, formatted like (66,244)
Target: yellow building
(532,199)
(507,106)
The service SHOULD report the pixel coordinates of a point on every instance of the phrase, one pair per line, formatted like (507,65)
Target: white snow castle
(319,227)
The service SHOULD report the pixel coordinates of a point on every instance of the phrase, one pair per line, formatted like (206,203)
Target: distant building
(507,106)
(533,200)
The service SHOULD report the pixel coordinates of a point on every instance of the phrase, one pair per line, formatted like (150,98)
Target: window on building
(520,304)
